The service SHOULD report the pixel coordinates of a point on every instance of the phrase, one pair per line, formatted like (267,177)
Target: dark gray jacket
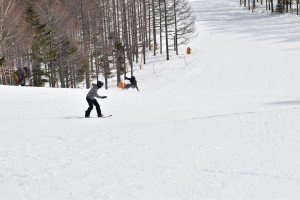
(93,92)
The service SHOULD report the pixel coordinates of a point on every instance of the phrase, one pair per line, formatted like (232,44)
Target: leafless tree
(72,41)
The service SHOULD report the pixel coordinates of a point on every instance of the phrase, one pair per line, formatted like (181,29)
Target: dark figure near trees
(21,75)
(133,83)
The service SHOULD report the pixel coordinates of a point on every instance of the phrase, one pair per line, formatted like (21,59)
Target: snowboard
(105,116)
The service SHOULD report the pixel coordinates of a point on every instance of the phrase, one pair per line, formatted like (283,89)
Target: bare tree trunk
(297,7)
(272,7)
(105,59)
(154,27)
(67,75)
(160,26)
(116,41)
(84,35)
(125,33)
(136,48)
(145,22)
(144,30)
(149,24)
(253,5)
(3,76)
(118,20)
(176,39)
(129,34)
(166,29)
(61,73)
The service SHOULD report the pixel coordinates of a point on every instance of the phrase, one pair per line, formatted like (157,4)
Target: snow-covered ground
(220,123)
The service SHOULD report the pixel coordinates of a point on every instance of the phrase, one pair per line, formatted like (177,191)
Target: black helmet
(99,84)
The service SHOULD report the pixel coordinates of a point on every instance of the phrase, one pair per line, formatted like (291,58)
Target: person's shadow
(288,103)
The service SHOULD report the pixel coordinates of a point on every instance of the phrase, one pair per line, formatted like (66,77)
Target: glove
(103,97)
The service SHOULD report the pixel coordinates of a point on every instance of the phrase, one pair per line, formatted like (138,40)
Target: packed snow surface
(220,123)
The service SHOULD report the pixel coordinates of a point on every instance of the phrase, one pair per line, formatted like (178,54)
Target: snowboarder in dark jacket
(91,99)
(133,83)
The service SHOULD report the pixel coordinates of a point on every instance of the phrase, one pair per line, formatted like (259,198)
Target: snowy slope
(221,123)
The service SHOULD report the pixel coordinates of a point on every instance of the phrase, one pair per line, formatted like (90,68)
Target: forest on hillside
(66,42)
(277,6)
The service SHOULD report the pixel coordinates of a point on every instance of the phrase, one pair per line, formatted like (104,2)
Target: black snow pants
(127,86)
(92,102)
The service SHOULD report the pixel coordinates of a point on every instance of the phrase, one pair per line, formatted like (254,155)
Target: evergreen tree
(40,51)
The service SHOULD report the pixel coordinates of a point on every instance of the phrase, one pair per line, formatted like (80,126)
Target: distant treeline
(65,42)
(278,6)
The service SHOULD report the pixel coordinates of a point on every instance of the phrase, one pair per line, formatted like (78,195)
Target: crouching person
(133,83)
(21,75)
(91,99)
